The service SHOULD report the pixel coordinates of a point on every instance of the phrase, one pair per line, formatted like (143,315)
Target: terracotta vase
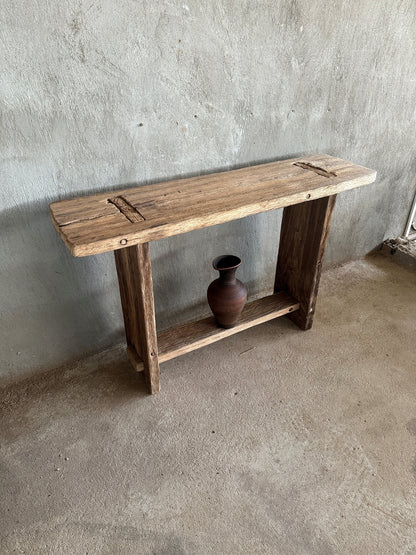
(226,294)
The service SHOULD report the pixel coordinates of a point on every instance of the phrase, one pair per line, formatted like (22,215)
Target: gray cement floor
(271,441)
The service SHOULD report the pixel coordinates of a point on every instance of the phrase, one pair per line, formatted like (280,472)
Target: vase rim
(226,262)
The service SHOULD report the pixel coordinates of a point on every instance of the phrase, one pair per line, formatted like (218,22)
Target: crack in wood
(78,220)
(316,169)
(127,209)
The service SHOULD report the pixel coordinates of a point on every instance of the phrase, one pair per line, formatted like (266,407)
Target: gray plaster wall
(97,95)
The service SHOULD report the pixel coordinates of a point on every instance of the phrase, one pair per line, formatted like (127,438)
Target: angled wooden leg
(136,292)
(303,238)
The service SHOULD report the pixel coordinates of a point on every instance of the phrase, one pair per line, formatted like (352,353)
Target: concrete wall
(97,95)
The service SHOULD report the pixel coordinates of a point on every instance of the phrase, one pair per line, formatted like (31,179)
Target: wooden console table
(126,221)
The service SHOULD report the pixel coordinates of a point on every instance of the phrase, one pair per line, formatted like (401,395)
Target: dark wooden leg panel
(303,238)
(136,292)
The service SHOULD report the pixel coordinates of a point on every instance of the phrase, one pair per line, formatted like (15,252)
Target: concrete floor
(271,441)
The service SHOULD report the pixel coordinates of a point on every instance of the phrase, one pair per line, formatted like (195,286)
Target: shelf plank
(113,220)
(182,339)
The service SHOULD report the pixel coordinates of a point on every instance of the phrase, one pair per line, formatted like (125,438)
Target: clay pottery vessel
(226,294)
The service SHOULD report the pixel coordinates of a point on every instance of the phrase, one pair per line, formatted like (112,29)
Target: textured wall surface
(97,95)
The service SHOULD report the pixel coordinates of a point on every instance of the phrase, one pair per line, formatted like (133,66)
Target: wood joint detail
(316,169)
(127,209)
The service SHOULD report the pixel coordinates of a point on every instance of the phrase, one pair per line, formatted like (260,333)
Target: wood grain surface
(303,237)
(194,335)
(114,220)
(136,292)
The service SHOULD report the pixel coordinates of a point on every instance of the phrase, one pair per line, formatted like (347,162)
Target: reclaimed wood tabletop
(113,220)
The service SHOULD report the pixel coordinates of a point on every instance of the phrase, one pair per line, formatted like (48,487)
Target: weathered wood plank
(187,337)
(303,237)
(136,292)
(99,223)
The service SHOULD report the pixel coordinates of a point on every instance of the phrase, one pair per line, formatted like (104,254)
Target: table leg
(303,238)
(136,292)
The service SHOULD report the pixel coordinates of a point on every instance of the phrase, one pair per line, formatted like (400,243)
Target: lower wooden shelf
(187,337)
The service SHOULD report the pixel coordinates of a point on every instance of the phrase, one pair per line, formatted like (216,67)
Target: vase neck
(228,276)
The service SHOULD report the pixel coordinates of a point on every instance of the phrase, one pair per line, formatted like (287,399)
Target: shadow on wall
(53,307)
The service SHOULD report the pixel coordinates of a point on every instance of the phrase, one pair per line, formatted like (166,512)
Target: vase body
(227,295)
